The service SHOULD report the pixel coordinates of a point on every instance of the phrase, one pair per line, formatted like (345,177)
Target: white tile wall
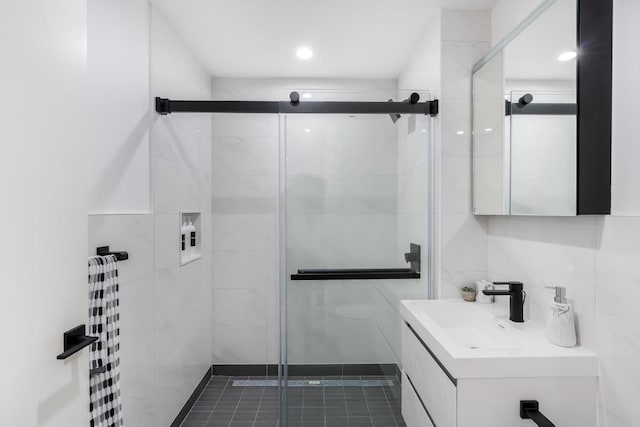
(595,257)
(165,308)
(463,245)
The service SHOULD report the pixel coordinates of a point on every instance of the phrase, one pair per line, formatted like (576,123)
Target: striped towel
(104,316)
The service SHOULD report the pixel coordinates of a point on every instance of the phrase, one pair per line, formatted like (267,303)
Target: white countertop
(475,340)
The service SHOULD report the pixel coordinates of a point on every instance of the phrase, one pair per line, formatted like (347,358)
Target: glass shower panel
(356,197)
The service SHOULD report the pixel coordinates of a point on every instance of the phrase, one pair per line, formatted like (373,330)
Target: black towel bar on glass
(75,340)
(356,273)
(412,257)
(104,251)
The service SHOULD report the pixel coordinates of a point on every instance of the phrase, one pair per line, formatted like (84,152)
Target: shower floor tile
(362,401)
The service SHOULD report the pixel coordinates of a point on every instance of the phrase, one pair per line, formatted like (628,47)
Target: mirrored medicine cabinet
(542,115)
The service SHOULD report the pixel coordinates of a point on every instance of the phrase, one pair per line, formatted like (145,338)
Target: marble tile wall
(165,308)
(596,259)
(466,37)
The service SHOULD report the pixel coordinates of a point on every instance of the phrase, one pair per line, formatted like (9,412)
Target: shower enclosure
(354,242)
(354,239)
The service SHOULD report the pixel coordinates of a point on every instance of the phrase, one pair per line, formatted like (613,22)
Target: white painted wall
(135,55)
(594,257)
(118,106)
(43,219)
(505,15)
(626,89)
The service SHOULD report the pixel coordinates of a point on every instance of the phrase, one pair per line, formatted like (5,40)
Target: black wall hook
(104,251)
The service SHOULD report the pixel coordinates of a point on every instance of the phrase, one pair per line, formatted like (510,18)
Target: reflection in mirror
(490,152)
(524,112)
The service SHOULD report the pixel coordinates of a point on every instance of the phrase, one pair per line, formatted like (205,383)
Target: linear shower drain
(314,383)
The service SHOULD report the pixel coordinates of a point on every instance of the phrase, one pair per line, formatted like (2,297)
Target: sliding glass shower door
(355,232)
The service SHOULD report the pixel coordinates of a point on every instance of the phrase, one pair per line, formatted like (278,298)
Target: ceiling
(349,38)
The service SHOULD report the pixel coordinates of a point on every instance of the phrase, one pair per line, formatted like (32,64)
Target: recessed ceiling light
(307,130)
(488,129)
(423,130)
(307,95)
(567,56)
(304,53)
(460,132)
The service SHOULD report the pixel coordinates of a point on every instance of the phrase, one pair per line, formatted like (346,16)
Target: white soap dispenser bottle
(561,326)
(192,238)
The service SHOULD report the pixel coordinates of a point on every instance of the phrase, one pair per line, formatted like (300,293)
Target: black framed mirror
(542,114)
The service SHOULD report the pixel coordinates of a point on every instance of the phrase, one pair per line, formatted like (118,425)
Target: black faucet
(516,299)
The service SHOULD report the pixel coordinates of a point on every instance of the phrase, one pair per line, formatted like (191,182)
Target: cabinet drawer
(433,385)
(412,410)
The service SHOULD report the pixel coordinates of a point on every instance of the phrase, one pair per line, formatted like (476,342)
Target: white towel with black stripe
(104,359)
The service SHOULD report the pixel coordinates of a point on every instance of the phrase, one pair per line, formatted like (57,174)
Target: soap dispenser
(192,238)
(561,326)
(183,236)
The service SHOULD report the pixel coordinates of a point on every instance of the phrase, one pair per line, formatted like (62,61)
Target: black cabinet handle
(530,410)
(75,340)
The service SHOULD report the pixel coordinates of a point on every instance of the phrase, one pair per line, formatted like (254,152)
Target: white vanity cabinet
(441,389)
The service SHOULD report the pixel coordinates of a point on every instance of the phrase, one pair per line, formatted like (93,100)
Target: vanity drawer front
(433,385)
(412,410)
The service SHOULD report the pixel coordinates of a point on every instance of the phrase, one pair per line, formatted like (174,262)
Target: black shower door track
(166,106)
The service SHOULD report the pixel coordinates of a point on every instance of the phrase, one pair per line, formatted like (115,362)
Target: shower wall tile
(241,307)
(245,155)
(241,194)
(370,194)
(177,187)
(413,190)
(183,342)
(138,364)
(236,232)
(131,233)
(335,173)
(239,344)
(167,243)
(180,139)
(248,269)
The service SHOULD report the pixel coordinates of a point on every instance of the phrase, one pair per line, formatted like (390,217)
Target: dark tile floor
(223,404)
